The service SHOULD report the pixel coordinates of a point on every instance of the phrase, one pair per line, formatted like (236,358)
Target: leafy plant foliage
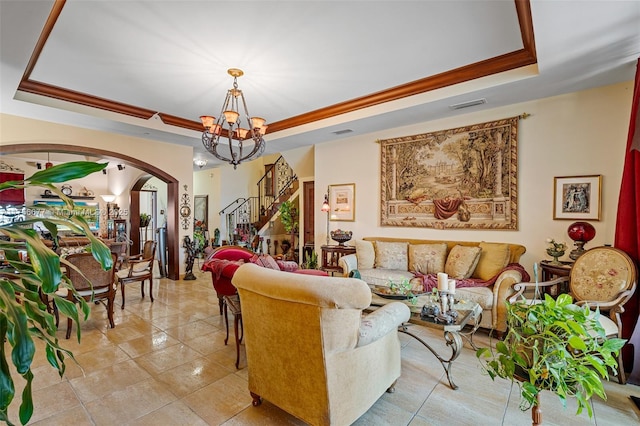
(24,284)
(554,345)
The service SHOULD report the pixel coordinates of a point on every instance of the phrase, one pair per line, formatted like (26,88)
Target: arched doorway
(173,257)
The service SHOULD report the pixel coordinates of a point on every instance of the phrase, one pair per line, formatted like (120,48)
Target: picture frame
(201,209)
(342,202)
(577,197)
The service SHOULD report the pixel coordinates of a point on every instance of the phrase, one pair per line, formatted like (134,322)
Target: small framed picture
(577,197)
(342,202)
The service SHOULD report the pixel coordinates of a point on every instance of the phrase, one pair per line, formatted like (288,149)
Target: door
(308,189)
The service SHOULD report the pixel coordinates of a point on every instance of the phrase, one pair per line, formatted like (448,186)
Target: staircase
(277,185)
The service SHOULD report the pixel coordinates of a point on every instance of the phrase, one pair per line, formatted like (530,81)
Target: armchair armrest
(520,288)
(348,263)
(615,305)
(380,322)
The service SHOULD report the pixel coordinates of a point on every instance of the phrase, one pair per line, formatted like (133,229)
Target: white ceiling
(171,57)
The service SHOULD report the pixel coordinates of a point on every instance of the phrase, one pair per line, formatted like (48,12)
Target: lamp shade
(581,231)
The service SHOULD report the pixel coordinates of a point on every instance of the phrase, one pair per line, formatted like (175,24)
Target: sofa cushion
(392,255)
(462,261)
(265,260)
(483,296)
(427,258)
(366,254)
(493,258)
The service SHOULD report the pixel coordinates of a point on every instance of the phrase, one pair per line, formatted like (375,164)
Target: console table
(331,254)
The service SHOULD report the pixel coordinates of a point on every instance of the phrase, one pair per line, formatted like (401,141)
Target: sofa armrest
(502,291)
(383,320)
(348,263)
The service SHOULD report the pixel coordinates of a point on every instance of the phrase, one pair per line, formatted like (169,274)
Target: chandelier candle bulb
(443,284)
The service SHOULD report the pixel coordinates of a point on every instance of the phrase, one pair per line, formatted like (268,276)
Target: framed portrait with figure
(577,197)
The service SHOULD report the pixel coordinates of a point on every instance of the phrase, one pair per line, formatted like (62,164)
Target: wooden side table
(330,256)
(551,271)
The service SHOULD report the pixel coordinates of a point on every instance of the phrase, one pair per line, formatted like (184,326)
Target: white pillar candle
(442,281)
(452,286)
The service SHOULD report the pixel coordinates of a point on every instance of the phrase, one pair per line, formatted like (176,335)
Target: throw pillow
(493,258)
(392,255)
(265,260)
(287,265)
(366,254)
(427,258)
(462,261)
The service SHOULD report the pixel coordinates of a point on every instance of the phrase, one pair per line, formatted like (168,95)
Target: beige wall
(581,133)
(173,159)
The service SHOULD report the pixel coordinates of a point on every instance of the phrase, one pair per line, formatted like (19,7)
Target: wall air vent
(342,132)
(468,104)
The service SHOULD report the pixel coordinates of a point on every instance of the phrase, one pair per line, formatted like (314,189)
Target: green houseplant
(23,285)
(289,219)
(145,218)
(553,345)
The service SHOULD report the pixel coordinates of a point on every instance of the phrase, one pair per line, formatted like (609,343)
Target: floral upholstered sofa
(485,272)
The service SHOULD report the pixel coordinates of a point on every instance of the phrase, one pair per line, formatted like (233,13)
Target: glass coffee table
(464,326)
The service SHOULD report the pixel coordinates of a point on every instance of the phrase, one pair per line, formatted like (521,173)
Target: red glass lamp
(581,233)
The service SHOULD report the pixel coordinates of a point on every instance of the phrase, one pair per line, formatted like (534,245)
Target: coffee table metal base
(453,340)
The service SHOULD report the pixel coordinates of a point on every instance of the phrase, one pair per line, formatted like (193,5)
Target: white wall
(581,133)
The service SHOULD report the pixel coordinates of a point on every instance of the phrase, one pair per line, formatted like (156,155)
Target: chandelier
(229,127)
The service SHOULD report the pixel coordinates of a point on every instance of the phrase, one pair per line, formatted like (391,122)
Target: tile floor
(165,363)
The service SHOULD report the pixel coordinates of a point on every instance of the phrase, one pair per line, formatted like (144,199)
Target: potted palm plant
(553,345)
(26,284)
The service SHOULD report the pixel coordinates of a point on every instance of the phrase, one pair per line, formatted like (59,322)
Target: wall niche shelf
(73,197)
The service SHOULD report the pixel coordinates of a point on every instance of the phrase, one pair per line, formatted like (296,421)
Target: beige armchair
(309,349)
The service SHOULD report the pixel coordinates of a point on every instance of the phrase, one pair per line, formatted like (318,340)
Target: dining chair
(120,249)
(139,269)
(603,278)
(90,282)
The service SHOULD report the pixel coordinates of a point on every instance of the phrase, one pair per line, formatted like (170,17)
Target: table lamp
(581,233)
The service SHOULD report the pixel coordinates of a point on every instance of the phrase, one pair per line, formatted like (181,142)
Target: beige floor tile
(76,416)
(191,330)
(265,414)
(128,404)
(165,359)
(148,343)
(191,376)
(221,400)
(102,382)
(174,414)
(48,402)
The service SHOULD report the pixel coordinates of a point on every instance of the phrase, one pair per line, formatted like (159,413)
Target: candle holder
(447,313)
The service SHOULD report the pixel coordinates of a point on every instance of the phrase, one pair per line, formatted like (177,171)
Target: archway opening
(173,257)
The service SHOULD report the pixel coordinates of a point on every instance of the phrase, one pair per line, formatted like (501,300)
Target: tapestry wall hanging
(456,178)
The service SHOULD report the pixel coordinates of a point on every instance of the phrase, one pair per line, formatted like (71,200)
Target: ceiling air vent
(468,104)
(342,132)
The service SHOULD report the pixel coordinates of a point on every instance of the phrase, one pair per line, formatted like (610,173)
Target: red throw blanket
(216,266)
(430,281)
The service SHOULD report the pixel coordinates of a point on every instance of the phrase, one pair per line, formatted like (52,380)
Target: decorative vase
(555,254)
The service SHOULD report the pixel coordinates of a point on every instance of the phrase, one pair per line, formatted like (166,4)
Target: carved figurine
(191,254)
